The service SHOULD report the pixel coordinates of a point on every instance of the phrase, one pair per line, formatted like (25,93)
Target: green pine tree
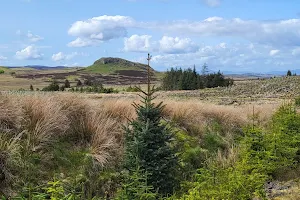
(148,146)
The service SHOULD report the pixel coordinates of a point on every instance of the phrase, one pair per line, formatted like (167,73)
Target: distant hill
(117,66)
(39,67)
(266,74)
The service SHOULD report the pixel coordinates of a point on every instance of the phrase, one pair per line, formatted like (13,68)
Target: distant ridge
(39,67)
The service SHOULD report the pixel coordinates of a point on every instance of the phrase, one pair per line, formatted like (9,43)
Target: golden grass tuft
(199,114)
(43,120)
(10,114)
(120,109)
(104,134)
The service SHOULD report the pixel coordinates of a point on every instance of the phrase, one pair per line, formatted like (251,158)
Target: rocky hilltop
(119,62)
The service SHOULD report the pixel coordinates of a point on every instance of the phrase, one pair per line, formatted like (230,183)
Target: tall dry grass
(43,120)
(10,114)
(199,114)
(97,123)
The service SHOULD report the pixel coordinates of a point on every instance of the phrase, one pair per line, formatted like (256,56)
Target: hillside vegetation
(5,69)
(270,89)
(114,66)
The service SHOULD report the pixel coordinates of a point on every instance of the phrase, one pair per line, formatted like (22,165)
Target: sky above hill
(227,35)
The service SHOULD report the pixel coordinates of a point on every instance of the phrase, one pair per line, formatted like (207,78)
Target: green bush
(52,87)
(1,71)
(229,183)
(132,89)
(262,154)
(135,186)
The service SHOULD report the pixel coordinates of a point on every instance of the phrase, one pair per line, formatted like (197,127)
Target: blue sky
(228,35)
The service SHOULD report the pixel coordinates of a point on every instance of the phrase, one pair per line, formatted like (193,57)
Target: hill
(118,66)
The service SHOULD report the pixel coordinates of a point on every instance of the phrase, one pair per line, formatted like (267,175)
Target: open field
(93,123)
(80,136)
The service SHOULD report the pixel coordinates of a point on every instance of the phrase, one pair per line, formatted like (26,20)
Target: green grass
(159,75)
(72,77)
(109,68)
(5,69)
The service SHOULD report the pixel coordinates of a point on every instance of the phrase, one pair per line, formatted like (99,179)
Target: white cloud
(29,36)
(236,57)
(212,3)
(177,45)
(137,43)
(83,42)
(273,52)
(34,38)
(282,32)
(29,53)
(3,58)
(102,28)
(296,51)
(169,45)
(60,56)
(276,32)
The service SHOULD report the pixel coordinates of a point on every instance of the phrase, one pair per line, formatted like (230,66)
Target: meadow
(237,142)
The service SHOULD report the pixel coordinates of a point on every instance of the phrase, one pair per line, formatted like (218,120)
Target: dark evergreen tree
(148,146)
(67,83)
(178,79)
(289,73)
(79,83)
(31,88)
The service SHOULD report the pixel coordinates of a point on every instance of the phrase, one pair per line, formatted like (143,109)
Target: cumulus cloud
(60,56)
(273,52)
(212,3)
(102,28)
(276,32)
(3,58)
(138,43)
(282,32)
(237,57)
(296,51)
(83,42)
(169,45)
(29,53)
(29,36)
(177,45)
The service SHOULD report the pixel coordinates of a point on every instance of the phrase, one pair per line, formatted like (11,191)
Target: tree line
(189,79)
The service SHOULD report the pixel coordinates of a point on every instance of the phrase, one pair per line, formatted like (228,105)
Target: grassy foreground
(71,145)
